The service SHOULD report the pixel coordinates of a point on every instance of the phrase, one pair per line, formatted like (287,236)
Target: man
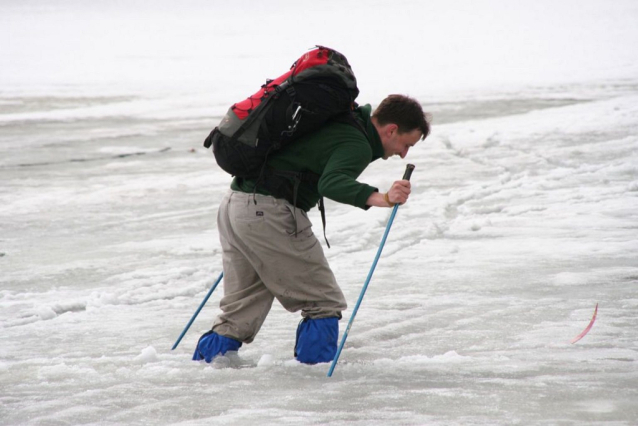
(269,249)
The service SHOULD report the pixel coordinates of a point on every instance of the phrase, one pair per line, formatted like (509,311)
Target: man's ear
(391,128)
(386,130)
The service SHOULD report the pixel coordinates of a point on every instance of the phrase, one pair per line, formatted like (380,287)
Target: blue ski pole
(408,173)
(201,305)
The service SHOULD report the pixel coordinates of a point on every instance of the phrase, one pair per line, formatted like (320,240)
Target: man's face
(396,143)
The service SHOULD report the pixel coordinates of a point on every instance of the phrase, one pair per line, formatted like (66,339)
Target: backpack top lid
(319,63)
(323,61)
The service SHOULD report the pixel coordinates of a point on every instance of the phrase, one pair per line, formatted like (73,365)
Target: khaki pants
(263,260)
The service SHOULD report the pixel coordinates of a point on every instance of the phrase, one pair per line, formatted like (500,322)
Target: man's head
(401,123)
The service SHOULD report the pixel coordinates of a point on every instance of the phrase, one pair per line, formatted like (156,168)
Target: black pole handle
(408,171)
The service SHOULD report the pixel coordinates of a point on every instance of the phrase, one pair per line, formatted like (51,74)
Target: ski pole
(201,305)
(408,172)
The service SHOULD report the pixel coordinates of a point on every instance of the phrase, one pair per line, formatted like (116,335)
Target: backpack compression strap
(257,113)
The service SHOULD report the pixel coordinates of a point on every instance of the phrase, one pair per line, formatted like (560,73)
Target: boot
(317,340)
(212,344)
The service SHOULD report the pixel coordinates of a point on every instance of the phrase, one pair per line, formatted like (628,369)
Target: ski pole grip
(408,171)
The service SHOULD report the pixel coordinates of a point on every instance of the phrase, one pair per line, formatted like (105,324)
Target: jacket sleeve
(339,178)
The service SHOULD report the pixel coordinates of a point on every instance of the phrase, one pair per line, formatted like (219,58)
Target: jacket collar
(365,113)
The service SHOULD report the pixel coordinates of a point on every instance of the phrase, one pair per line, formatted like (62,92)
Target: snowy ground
(524,215)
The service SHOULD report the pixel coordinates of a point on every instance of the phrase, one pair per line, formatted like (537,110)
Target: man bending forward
(269,249)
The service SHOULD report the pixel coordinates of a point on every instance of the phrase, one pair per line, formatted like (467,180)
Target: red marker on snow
(585,331)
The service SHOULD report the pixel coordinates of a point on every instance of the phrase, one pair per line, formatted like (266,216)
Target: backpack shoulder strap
(348,117)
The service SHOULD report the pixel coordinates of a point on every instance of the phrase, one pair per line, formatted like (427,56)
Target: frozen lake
(524,216)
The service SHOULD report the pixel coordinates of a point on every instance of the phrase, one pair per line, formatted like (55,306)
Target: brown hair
(405,112)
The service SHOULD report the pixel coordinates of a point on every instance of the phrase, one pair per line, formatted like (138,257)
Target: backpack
(320,86)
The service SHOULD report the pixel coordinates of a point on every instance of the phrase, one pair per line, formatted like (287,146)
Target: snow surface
(524,214)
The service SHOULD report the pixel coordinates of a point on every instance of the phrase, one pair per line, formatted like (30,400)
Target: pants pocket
(246,211)
(302,238)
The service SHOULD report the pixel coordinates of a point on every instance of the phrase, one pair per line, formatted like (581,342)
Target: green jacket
(337,152)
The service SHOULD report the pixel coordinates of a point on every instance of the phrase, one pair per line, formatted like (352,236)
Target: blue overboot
(317,340)
(212,344)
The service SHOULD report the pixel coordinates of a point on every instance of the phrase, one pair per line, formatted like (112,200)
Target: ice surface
(149,354)
(266,360)
(523,215)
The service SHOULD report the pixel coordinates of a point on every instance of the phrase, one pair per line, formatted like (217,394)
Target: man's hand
(398,194)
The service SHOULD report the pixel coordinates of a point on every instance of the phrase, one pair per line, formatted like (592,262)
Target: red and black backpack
(320,86)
